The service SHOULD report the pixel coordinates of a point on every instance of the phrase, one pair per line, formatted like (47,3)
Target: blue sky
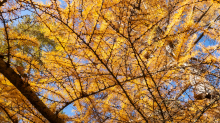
(68,110)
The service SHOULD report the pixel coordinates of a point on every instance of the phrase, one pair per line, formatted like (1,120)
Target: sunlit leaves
(114,60)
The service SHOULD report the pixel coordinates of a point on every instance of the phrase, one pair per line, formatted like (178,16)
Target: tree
(112,61)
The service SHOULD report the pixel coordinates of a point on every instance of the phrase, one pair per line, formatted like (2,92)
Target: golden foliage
(112,60)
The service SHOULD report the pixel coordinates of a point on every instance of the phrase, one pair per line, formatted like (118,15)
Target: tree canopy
(109,61)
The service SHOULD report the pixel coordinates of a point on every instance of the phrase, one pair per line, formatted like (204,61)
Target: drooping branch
(26,90)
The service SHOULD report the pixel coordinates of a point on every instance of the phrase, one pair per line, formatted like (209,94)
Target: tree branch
(26,90)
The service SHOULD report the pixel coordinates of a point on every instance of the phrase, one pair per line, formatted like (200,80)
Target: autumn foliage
(109,61)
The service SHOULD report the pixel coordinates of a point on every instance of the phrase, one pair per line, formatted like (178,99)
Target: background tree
(113,61)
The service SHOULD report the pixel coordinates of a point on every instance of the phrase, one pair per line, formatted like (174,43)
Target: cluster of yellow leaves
(99,64)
